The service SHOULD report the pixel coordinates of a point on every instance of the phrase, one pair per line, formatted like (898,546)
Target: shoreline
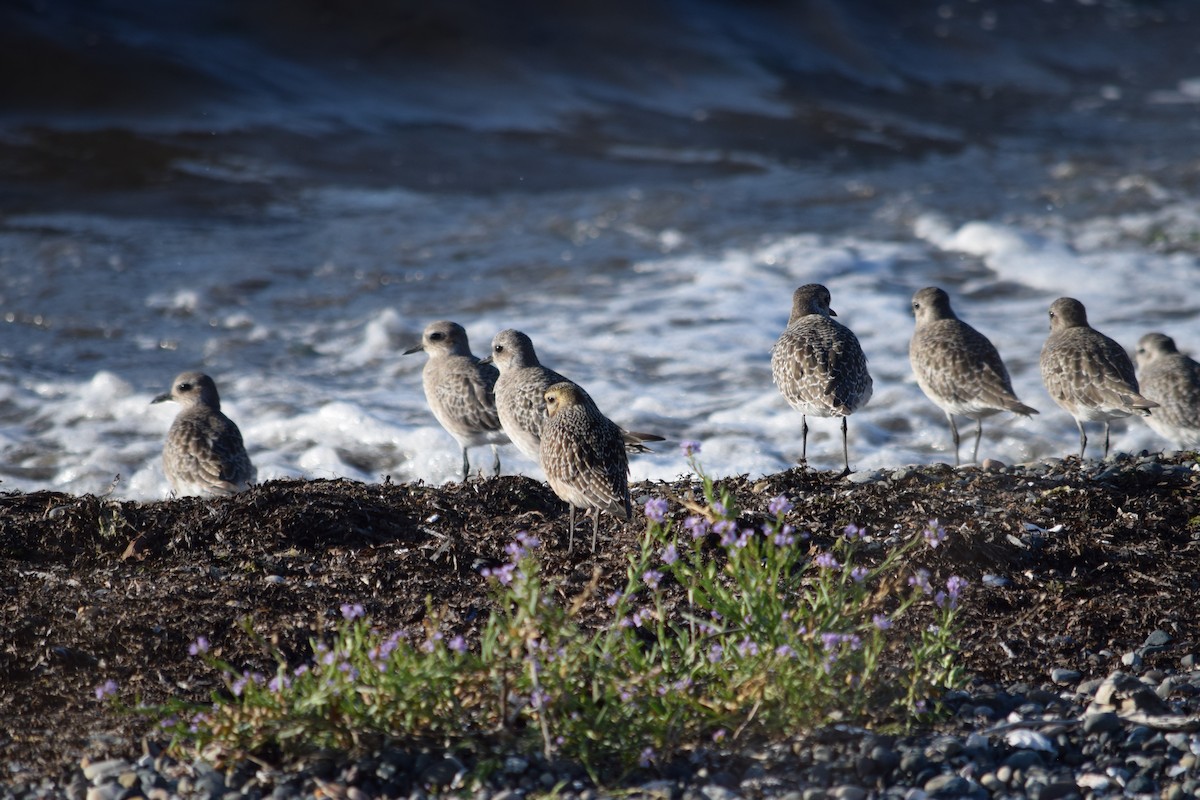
(97,589)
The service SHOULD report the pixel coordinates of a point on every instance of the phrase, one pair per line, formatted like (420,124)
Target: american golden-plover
(460,390)
(204,453)
(1088,374)
(819,366)
(521,390)
(1172,380)
(957,367)
(583,455)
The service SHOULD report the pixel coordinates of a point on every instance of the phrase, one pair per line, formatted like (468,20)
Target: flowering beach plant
(728,624)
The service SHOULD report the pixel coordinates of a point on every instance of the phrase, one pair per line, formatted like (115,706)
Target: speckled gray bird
(957,367)
(1171,379)
(204,453)
(521,390)
(819,365)
(460,390)
(583,455)
(1088,374)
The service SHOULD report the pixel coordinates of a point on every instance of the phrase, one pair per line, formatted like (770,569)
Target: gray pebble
(715,791)
(948,784)
(865,477)
(1065,677)
(1100,723)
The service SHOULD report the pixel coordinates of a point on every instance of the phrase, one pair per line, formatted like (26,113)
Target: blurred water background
(283,194)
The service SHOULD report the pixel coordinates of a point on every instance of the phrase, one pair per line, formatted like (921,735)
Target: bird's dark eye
(498,348)
(435,336)
(184,387)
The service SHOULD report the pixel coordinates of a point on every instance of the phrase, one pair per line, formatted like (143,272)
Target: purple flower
(109,687)
(697,526)
(198,647)
(351,611)
(279,683)
(719,509)
(881,621)
(690,447)
(520,546)
(613,599)
(503,573)
(934,534)
(859,574)
(647,757)
(853,531)
(827,561)
(656,509)
(779,505)
(715,653)
(651,578)
(785,651)
(670,554)
(747,647)
(458,644)
(920,579)
(641,615)
(239,685)
(719,735)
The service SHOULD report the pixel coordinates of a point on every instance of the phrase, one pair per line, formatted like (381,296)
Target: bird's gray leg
(496,459)
(571,533)
(466,466)
(845,448)
(978,435)
(803,439)
(595,528)
(1106,438)
(953,436)
(1082,439)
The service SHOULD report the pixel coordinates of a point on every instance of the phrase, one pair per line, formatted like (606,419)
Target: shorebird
(1171,379)
(957,367)
(1088,374)
(460,390)
(521,390)
(818,364)
(583,455)
(203,453)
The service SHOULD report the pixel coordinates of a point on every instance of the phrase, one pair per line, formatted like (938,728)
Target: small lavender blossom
(538,698)
(239,685)
(613,599)
(300,670)
(351,611)
(747,647)
(641,615)
(651,578)
(647,757)
(827,561)
(920,579)
(109,687)
(503,574)
(715,653)
(458,644)
(279,683)
(881,621)
(853,531)
(954,587)
(697,526)
(786,536)
(779,505)
(859,574)
(719,735)
(198,647)
(670,554)
(719,509)
(785,651)
(934,534)
(690,447)
(656,509)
